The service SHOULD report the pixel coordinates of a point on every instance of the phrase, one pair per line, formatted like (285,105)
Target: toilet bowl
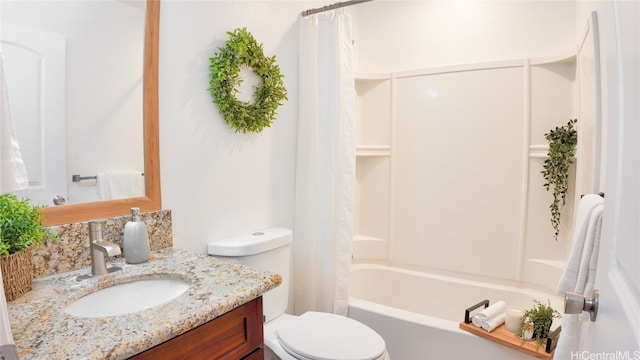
(312,335)
(321,336)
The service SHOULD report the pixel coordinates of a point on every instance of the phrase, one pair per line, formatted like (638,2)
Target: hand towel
(570,338)
(589,260)
(119,184)
(13,173)
(579,276)
(491,317)
(584,238)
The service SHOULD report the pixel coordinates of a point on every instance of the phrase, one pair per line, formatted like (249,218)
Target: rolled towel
(491,324)
(475,320)
(491,317)
(492,311)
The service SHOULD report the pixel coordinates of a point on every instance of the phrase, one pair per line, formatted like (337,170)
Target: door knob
(59,200)
(575,303)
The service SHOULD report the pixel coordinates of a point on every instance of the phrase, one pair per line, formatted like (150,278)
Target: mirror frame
(72,213)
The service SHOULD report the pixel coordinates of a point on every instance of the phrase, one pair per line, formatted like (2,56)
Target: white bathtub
(418,313)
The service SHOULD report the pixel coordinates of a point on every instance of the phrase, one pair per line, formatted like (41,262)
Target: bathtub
(418,313)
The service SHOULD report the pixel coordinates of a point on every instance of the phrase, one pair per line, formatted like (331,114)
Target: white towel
(13,173)
(120,185)
(492,323)
(579,276)
(491,317)
(569,338)
(589,260)
(586,239)
(13,177)
(6,337)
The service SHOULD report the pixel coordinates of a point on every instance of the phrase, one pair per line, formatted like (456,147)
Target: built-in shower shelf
(368,247)
(372,76)
(373,150)
(505,337)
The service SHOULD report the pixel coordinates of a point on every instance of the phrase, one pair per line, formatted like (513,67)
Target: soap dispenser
(136,239)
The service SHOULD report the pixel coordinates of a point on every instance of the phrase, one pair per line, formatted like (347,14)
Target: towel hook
(575,303)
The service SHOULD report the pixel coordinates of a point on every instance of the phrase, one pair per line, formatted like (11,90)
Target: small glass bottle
(136,239)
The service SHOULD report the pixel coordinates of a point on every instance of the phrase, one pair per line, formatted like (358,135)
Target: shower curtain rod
(332,6)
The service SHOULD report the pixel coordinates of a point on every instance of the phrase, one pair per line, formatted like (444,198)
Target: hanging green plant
(562,145)
(243,49)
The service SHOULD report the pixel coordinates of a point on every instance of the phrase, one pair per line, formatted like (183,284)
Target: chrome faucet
(101,250)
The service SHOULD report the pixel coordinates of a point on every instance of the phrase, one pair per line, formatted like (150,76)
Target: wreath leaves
(243,49)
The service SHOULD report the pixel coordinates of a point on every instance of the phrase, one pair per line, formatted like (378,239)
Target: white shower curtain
(325,167)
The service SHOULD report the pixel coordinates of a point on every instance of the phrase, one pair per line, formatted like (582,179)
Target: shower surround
(450,137)
(462,168)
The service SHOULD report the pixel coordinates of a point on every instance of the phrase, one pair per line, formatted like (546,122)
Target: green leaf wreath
(242,49)
(562,145)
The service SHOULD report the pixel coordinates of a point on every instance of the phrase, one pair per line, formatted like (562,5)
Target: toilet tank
(268,249)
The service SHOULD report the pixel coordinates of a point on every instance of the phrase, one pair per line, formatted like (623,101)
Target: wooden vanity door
(237,334)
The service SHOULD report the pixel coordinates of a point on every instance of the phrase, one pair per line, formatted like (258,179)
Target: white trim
(628,302)
(392,162)
(567,56)
(524,194)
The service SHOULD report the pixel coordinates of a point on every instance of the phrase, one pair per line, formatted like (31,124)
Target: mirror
(152,201)
(74,72)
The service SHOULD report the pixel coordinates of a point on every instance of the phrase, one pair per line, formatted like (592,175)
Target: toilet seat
(323,336)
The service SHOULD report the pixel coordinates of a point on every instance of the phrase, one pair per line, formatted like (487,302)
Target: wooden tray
(505,337)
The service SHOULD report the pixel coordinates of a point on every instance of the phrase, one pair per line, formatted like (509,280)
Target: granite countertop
(42,330)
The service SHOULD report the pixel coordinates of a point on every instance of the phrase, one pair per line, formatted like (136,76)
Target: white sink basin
(127,297)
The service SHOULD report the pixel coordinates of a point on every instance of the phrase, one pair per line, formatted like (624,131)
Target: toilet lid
(324,336)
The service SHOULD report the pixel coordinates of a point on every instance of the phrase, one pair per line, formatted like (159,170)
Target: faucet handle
(95,229)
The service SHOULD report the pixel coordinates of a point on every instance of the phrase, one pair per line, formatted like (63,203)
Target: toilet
(312,335)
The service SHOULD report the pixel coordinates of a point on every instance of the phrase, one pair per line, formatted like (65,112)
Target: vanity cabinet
(237,334)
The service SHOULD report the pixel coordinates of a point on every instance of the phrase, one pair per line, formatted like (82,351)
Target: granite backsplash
(71,251)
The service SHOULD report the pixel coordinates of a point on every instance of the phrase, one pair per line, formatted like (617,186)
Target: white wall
(216,182)
(402,35)
(458,171)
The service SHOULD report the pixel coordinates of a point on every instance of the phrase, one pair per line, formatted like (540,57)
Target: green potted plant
(536,322)
(562,144)
(21,227)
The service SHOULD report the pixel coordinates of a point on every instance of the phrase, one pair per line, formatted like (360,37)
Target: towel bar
(78,178)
